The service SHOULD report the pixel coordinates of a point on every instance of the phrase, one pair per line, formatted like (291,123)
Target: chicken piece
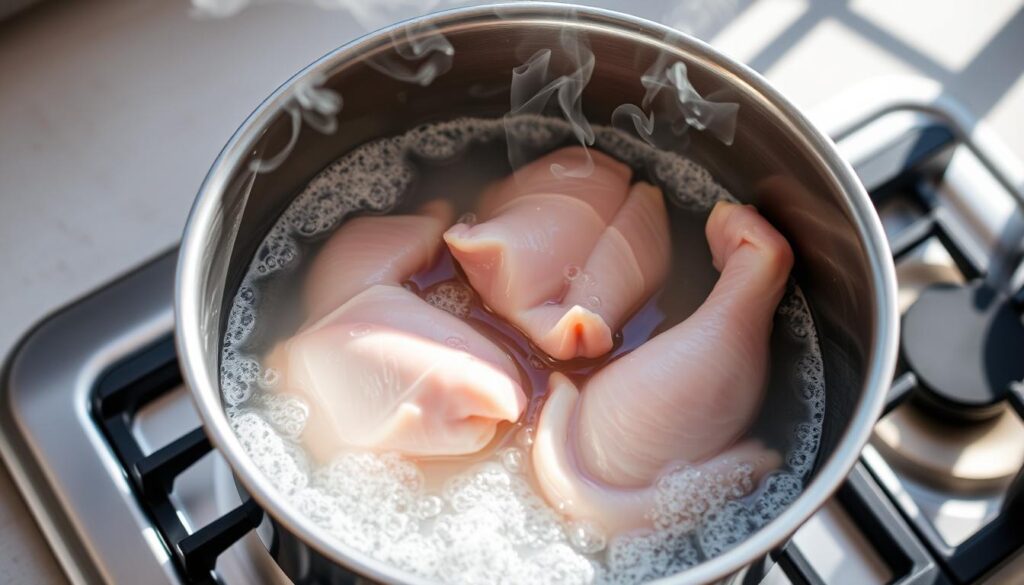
(372,250)
(616,509)
(566,260)
(381,368)
(684,396)
(389,372)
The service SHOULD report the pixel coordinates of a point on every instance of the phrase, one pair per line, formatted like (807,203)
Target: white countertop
(112,112)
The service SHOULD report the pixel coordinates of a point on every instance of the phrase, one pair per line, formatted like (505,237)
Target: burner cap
(966,345)
(951,455)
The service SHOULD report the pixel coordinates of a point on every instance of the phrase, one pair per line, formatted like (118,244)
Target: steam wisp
(311,103)
(681,109)
(532,89)
(421,54)
(642,122)
(716,118)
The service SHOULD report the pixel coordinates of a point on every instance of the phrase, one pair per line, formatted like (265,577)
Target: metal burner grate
(876,516)
(119,395)
(925,161)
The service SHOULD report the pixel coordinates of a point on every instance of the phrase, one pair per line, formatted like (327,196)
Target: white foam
(685,496)
(488,524)
(286,413)
(644,557)
(280,460)
(238,376)
(799,322)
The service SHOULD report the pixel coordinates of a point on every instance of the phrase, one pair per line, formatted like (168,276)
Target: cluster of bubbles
(797,319)
(684,500)
(485,525)
(730,523)
(488,524)
(451,296)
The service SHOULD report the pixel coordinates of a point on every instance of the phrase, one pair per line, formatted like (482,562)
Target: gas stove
(103,441)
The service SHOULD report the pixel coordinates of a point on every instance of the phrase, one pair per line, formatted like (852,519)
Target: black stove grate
(924,162)
(121,392)
(866,503)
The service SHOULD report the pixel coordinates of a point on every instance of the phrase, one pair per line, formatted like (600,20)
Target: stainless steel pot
(778,161)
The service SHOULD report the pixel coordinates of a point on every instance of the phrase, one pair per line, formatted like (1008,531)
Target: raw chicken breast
(567,260)
(685,396)
(389,372)
(379,367)
(617,509)
(374,250)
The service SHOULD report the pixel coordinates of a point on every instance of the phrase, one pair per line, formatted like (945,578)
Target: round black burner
(966,345)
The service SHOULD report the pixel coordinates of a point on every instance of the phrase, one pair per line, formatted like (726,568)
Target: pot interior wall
(768,165)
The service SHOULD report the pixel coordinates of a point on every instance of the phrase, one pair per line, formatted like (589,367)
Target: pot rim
(206,211)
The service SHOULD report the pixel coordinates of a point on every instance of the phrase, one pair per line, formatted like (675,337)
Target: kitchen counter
(111,113)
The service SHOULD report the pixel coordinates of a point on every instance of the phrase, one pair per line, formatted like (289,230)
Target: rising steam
(643,123)
(421,54)
(715,118)
(370,14)
(682,108)
(532,89)
(311,103)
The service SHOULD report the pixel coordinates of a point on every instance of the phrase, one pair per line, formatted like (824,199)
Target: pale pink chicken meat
(379,367)
(684,397)
(374,250)
(567,260)
(389,372)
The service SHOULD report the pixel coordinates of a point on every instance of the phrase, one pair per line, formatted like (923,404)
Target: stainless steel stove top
(104,443)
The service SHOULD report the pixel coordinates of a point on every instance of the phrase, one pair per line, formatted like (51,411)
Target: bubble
(468,218)
(246,294)
(429,506)
(456,342)
(572,272)
(270,378)
(587,537)
(536,362)
(513,459)
(524,437)
(587,279)
(360,330)
(593,301)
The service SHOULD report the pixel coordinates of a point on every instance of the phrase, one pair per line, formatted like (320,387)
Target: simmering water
(480,518)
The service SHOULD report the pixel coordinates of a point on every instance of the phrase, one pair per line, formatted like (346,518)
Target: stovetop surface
(109,454)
